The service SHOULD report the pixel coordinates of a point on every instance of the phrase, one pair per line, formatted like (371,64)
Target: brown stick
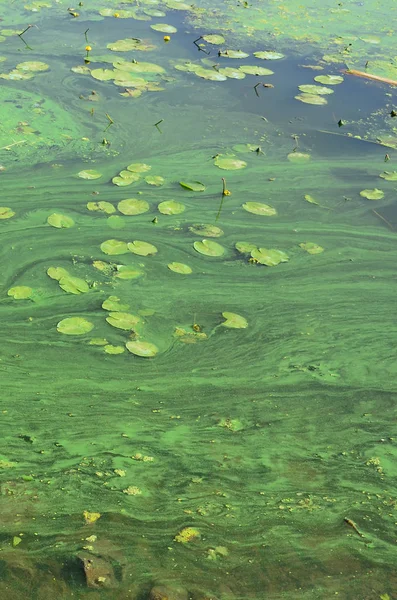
(369,76)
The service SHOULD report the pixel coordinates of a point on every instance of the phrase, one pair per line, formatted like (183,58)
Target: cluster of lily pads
(314,94)
(25,70)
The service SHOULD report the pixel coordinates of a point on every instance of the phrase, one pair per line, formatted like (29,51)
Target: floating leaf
(138,67)
(209,248)
(130,44)
(311,99)
(141,348)
(6,212)
(311,248)
(57,273)
(109,349)
(311,200)
(102,206)
(32,65)
(389,175)
(89,174)
(329,79)
(234,321)
(74,326)
(229,162)
(103,75)
(187,534)
(60,221)
(270,258)
(194,186)
(122,320)
(113,304)
(269,55)
(232,73)
(245,247)
(214,38)
(155,180)
(91,517)
(258,208)
(164,28)
(113,247)
(138,167)
(142,248)
(171,207)
(124,272)
(254,70)
(20,292)
(318,90)
(245,147)
(116,222)
(233,54)
(209,74)
(73,285)
(180,268)
(370,39)
(98,342)
(374,194)
(298,157)
(133,206)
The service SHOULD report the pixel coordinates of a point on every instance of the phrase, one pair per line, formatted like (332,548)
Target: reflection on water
(197,397)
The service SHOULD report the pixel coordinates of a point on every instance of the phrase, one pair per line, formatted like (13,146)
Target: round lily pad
(258,208)
(311,248)
(206,229)
(89,174)
(209,74)
(20,292)
(254,70)
(269,55)
(6,212)
(122,320)
(374,194)
(164,28)
(103,74)
(141,348)
(74,326)
(229,162)
(245,147)
(141,248)
(298,157)
(124,272)
(180,268)
(57,273)
(270,258)
(389,175)
(311,99)
(113,304)
(129,44)
(114,247)
(155,180)
(329,79)
(109,349)
(133,206)
(209,248)
(214,38)
(171,207)
(234,321)
(233,54)
(318,90)
(60,221)
(232,73)
(139,67)
(245,247)
(193,186)
(102,206)
(122,180)
(32,65)
(138,167)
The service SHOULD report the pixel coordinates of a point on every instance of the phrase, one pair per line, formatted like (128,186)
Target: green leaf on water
(258,208)
(329,79)
(114,247)
(317,90)
(20,292)
(32,65)
(155,180)
(180,268)
(109,349)
(125,272)
(102,206)
(209,74)
(122,320)
(234,321)
(311,200)
(142,248)
(113,304)
(171,207)
(74,326)
(164,28)
(141,348)
(233,54)
(214,38)
(193,186)
(269,55)
(389,175)
(60,221)
(209,248)
(232,73)
(229,162)
(374,194)
(73,285)
(245,247)
(138,67)
(57,273)
(311,248)
(130,44)
(138,167)
(102,75)
(133,206)
(206,230)
(311,99)
(89,174)
(254,70)
(270,257)
(6,212)
(245,147)
(115,222)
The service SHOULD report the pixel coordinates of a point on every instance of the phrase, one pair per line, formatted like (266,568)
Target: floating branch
(369,76)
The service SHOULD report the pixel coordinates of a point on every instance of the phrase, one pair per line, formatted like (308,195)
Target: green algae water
(198,222)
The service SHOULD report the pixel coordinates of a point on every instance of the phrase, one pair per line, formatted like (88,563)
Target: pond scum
(198,366)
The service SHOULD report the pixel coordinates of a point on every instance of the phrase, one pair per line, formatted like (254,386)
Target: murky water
(210,411)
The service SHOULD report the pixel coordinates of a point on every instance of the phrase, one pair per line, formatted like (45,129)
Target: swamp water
(197,374)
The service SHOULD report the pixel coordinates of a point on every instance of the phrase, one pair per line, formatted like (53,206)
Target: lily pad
(298,157)
(124,272)
(74,326)
(20,292)
(229,162)
(318,90)
(109,349)
(311,248)
(122,320)
(164,28)
(6,212)
(133,206)
(176,5)
(206,230)
(254,70)
(231,73)
(60,221)
(258,208)
(73,285)
(389,175)
(269,55)
(57,273)
(329,79)
(113,304)
(123,180)
(103,74)
(155,180)
(311,99)
(193,186)
(141,248)
(142,348)
(209,74)
(102,206)
(171,207)
(214,38)
(245,147)
(245,247)
(89,174)
(209,248)
(138,67)
(32,65)
(130,44)
(114,247)
(234,321)
(138,167)
(374,194)
(180,268)
(270,258)
(233,54)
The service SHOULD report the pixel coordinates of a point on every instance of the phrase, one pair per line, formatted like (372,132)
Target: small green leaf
(114,247)
(20,292)
(194,186)
(171,207)
(209,248)
(89,174)
(374,194)
(141,348)
(6,212)
(60,221)
(122,320)
(311,248)
(74,326)
(133,206)
(258,208)
(234,321)
(180,268)
(141,248)
(270,258)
